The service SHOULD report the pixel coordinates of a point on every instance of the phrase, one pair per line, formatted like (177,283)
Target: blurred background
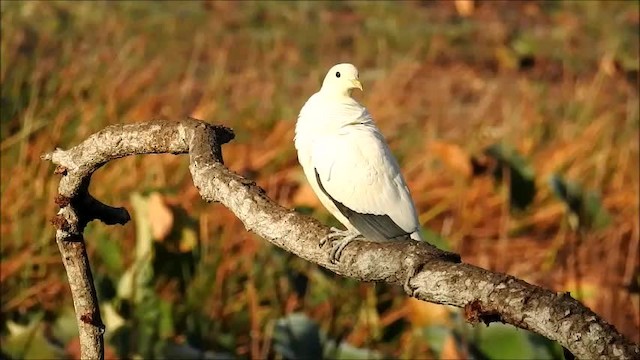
(516,125)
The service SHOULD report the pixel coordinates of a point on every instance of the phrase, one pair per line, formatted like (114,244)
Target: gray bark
(426,272)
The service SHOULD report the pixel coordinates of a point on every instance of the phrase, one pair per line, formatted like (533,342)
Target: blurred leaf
(544,347)
(297,337)
(435,239)
(121,339)
(453,348)
(171,264)
(125,285)
(175,257)
(105,286)
(160,216)
(110,252)
(422,313)
(144,237)
(165,321)
(152,320)
(501,341)
(347,351)
(521,175)
(65,326)
(585,209)
(584,290)
(136,282)
(506,57)
(188,240)
(149,315)
(305,210)
(112,320)
(29,342)
(394,330)
(299,282)
(226,340)
(524,44)
(435,335)
(451,155)
(172,350)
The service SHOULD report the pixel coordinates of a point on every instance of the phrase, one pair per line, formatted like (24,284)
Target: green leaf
(435,335)
(347,351)
(65,326)
(112,320)
(500,341)
(144,237)
(435,239)
(137,281)
(185,351)
(297,337)
(305,210)
(165,322)
(585,209)
(520,174)
(110,253)
(29,342)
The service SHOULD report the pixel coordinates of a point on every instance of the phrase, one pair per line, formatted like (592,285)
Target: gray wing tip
(373,227)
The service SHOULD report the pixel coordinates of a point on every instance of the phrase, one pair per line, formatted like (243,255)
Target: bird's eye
(337,74)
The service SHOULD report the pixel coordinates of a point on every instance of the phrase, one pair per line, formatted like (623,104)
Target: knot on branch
(93,318)
(223,134)
(474,312)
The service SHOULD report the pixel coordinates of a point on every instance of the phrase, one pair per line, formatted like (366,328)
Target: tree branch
(432,275)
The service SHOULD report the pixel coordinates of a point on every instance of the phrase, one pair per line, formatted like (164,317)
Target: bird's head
(341,80)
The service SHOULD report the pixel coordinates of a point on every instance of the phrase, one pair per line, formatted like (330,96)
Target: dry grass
(441,88)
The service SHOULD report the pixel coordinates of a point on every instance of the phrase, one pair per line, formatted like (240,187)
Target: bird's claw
(407,286)
(338,244)
(335,233)
(413,269)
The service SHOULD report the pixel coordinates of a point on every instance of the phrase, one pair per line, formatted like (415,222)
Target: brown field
(556,81)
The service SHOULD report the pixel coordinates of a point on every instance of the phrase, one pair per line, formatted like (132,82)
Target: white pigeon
(350,167)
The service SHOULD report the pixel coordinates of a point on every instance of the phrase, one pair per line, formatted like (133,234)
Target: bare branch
(432,275)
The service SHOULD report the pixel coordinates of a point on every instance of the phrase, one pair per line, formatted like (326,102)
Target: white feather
(336,137)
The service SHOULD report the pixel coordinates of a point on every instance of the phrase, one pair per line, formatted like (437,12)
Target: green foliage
(584,208)
(297,337)
(30,342)
(520,175)
(495,341)
(434,238)
(499,341)
(435,336)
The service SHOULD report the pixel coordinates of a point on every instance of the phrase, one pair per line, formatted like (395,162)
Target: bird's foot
(334,234)
(339,245)
(339,239)
(414,266)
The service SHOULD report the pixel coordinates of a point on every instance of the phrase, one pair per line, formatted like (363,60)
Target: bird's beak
(356,84)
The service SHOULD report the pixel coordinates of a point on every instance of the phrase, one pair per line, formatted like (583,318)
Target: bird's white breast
(337,137)
(320,117)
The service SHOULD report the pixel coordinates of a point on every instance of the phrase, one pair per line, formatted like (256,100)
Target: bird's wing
(357,171)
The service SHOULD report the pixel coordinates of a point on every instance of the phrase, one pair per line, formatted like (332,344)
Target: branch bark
(432,275)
